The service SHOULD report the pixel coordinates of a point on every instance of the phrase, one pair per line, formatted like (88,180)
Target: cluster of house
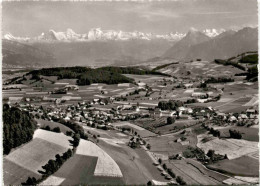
(249,117)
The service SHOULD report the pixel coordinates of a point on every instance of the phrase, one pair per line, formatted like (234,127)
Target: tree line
(86,76)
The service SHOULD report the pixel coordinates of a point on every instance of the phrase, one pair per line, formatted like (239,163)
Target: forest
(18,127)
(86,75)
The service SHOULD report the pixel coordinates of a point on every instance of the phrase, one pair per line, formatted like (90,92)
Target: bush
(180,180)
(235,134)
(56,129)
(170,120)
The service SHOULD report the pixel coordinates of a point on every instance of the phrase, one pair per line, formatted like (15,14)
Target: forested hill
(18,128)
(86,76)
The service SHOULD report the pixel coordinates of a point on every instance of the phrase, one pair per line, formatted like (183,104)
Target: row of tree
(170,105)
(48,128)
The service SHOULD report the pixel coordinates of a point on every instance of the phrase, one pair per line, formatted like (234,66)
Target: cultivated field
(30,157)
(242,166)
(141,131)
(248,133)
(106,166)
(234,148)
(191,174)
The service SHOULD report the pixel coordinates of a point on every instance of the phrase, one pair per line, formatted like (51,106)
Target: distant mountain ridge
(228,44)
(66,49)
(97,34)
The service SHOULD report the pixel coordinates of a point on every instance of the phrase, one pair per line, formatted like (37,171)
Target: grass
(51,124)
(14,174)
(234,148)
(250,134)
(204,170)
(35,154)
(80,170)
(243,166)
(194,173)
(28,159)
(105,166)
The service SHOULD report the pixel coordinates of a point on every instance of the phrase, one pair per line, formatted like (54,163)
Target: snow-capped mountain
(96,34)
(213,32)
(9,36)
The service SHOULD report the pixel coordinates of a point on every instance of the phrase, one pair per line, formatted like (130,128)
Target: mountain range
(94,34)
(227,44)
(98,34)
(99,48)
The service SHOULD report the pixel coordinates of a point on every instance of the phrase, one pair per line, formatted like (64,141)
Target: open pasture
(165,145)
(248,133)
(14,174)
(52,124)
(105,166)
(135,171)
(242,166)
(141,131)
(80,170)
(234,148)
(192,174)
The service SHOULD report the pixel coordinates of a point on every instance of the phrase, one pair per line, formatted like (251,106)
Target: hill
(87,76)
(16,54)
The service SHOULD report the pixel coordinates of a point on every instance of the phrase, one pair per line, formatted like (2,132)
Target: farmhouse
(198,94)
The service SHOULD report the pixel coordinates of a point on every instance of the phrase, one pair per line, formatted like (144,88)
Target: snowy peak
(213,32)
(98,34)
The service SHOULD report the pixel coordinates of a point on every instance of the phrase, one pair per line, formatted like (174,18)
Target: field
(141,131)
(30,157)
(242,166)
(89,165)
(135,164)
(248,133)
(191,174)
(51,124)
(234,148)
(105,166)
(135,171)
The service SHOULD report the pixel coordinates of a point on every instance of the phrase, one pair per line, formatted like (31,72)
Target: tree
(235,134)
(160,160)
(170,120)
(180,180)
(170,172)
(47,128)
(149,183)
(148,146)
(164,166)
(56,129)
(211,154)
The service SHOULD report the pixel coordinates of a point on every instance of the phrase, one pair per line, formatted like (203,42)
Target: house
(232,119)
(198,94)
(188,85)
(251,112)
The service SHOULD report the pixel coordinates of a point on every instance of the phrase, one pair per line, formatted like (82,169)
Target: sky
(31,18)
